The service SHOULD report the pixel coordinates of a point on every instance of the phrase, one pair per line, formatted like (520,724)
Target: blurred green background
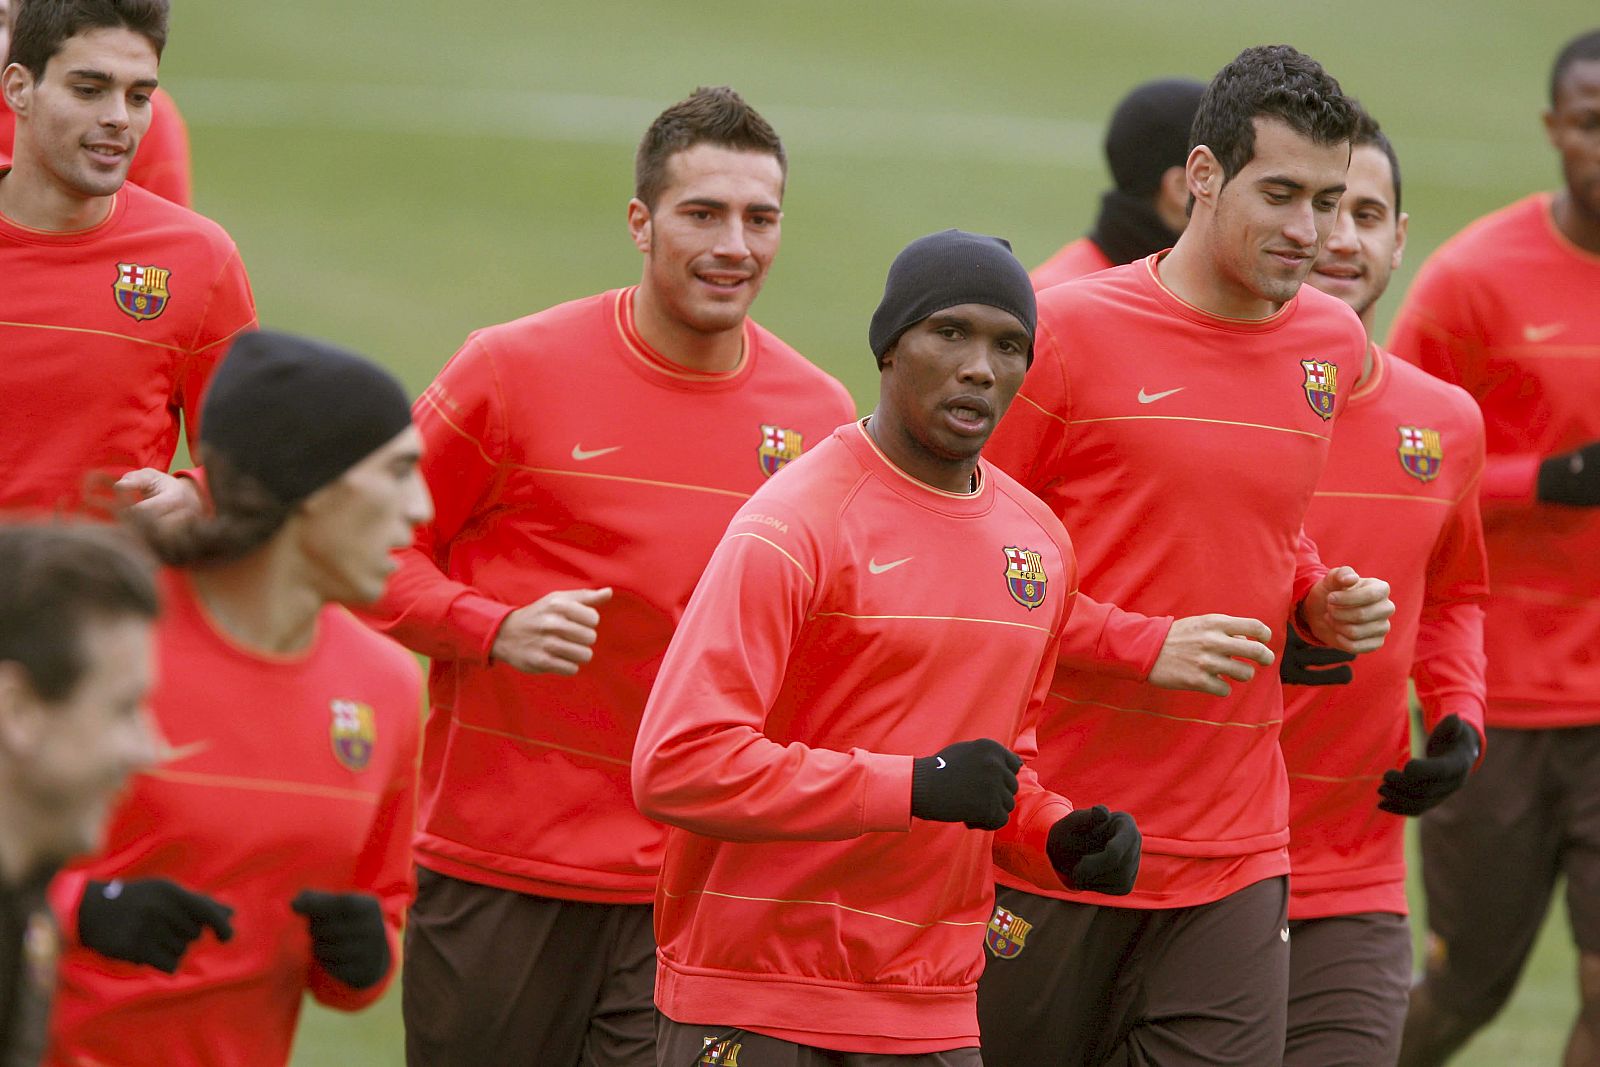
(398,174)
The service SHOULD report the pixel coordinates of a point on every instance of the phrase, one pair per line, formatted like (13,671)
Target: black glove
(1571,478)
(973,782)
(1096,850)
(1306,664)
(151,921)
(348,936)
(1452,750)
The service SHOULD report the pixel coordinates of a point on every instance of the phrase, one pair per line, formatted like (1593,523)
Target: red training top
(1399,499)
(564,453)
(1076,259)
(110,335)
(1507,309)
(284,773)
(161,164)
(1180,449)
(852,619)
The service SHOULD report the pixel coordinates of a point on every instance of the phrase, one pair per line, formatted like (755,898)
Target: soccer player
(532,927)
(116,303)
(1399,497)
(282,808)
(852,694)
(1507,310)
(1177,419)
(1145,212)
(162,163)
(76,659)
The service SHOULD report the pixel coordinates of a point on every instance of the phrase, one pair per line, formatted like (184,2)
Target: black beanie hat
(943,270)
(296,413)
(1149,133)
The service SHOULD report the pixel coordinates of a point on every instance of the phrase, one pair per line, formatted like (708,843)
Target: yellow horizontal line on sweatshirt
(1163,715)
(824,904)
(509,736)
(265,785)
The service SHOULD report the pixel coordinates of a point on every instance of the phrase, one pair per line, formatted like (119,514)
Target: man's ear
(639,224)
(16,85)
(1399,240)
(20,705)
(1203,176)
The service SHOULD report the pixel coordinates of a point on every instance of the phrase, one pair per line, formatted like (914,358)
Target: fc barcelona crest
(1007,933)
(721,1052)
(778,447)
(1322,384)
(1025,577)
(353,732)
(141,291)
(1421,452)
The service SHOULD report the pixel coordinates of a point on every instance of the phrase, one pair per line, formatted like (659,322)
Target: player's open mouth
(1339,272)
(727,283)
(1289,259)
(969,414)
(108,153)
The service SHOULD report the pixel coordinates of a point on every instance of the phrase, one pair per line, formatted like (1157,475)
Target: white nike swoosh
(878,568)
(1284,933)
(1534,334)
(183,752)
(1151,398)
(938,763)
(580,454)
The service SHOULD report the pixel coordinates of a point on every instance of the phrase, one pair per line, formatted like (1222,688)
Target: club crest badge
(1322,384)
(1025,577)
(1421,452)
(778,447)
(1007,933)
(721,1052)
(353,732)
(141,292)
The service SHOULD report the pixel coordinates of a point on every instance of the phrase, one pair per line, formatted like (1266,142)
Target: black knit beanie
(296,413)
(1149,133)
(943,270)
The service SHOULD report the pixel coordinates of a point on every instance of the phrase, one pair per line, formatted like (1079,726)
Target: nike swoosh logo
(580,453)
(183,752)
(938,763)
(1151,398)
(1284,933)
(878,568)
(1534,334)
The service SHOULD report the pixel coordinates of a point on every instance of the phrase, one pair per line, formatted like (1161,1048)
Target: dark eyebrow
(1363,201)
(102,76)
(1278,179)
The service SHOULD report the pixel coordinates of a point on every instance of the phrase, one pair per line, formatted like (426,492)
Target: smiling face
(1368,236)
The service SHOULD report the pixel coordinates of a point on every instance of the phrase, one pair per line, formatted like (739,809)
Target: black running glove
(1306,664)
(1096,850)
(150,921)
(1572,478)
(1452,750)
(348,936)
(972,782)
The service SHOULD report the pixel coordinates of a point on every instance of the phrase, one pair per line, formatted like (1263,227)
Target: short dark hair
(53,578)
(717,116)
(1368,132)
(41,27)
(1269,81)
(1581,49)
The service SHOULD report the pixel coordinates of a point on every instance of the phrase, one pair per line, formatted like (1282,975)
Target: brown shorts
(680,1045)
(1093,985)
(1348,980)
(1491,857)
(494,978)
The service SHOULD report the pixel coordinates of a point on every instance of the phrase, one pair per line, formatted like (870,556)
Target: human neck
(19,856)
(29,198)
(897,446)
(264,601)
(1188,271)
(1367,362)
(709,352)
(1575,224)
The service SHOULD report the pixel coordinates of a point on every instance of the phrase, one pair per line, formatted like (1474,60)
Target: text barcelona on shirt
(1421,452)
(1025,577)
(1322,385)
(141,292)
(778,446)
(1007,933)
(353,732)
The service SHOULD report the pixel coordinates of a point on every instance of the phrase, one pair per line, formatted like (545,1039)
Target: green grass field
(398,174)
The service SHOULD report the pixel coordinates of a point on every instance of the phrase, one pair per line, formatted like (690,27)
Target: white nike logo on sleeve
(938,763)
(1151,398)
(580,454)
(878,568)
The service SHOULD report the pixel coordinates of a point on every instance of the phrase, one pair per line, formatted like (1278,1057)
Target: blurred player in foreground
(269,854)
(532,928)
(76,660)
(1177,419)
(1508,310)
(848,706)
(1146,210)
(1399,498)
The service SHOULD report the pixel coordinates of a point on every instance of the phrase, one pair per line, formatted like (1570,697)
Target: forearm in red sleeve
(433,614)
(230,311)
(1449,664)
(1020,845)
(1509,480)
(66,895)
(702,761)
(1104,639)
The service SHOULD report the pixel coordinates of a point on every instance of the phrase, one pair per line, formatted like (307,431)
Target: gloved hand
(1096,850)
(348,936)
(1306,664)
(1452,750)
(150,921)
(1572,478)
(972,782)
